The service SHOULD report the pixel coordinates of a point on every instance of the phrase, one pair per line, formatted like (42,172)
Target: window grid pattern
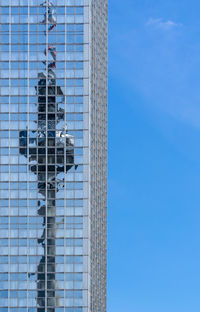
(41,155)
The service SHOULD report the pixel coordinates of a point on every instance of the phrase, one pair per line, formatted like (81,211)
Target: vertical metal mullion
(74,123)
(19,79)
(9,157)
(90,59)
(46,150)
(28,92)
(74,205)
(0,69)
(65,173)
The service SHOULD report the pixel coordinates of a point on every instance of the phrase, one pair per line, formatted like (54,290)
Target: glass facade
(49,189)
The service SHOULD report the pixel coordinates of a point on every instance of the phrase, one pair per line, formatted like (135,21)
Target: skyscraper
(53,155)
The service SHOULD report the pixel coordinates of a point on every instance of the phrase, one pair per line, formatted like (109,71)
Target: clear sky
(154,156)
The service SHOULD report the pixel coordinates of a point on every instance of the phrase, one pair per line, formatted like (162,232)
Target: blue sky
(154,156)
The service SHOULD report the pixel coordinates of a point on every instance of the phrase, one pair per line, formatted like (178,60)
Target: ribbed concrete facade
(98,155)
